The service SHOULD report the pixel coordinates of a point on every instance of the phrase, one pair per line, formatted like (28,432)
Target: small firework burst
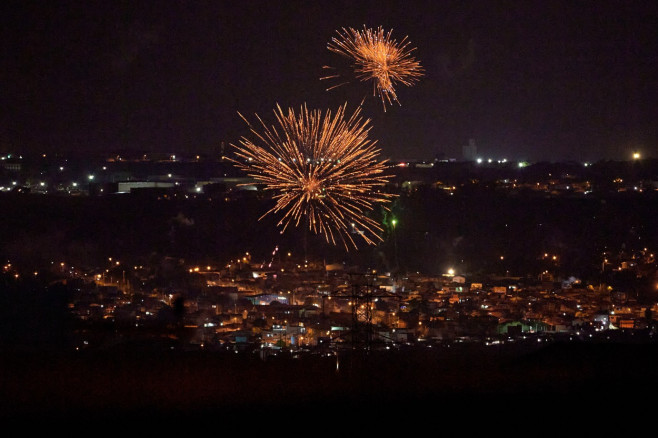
(323,170)
(377,57)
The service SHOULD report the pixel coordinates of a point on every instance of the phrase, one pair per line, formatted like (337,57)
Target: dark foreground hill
(559,381)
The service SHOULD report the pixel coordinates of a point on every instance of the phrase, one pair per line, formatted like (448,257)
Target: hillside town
(293,308)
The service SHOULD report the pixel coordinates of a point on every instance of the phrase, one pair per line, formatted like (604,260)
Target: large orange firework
(377,57)
(323,170)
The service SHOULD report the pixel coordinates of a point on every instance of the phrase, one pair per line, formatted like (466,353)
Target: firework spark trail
(322,169)
(377,57)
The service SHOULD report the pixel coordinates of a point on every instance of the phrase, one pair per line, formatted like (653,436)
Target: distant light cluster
(379,58)
(323,169)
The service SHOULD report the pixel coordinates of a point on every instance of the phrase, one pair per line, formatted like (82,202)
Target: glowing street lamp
(636,155)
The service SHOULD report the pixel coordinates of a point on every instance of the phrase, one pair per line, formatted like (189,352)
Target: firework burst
(323,170)
(377,57)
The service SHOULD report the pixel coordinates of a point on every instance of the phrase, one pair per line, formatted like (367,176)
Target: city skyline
(526,80)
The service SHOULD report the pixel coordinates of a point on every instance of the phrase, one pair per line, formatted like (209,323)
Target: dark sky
(534,80)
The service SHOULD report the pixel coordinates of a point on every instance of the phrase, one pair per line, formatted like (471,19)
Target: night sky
(532,80)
